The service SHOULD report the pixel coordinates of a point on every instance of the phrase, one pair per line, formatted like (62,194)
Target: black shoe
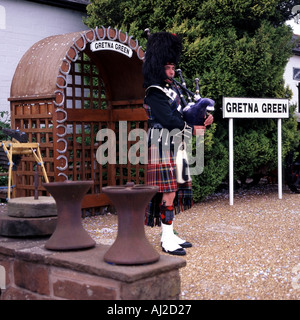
(186,245)
(177,252)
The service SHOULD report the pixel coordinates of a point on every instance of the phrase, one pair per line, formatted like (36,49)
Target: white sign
(111,45)
(255,108)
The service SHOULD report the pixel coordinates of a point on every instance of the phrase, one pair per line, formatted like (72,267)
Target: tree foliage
(236,48)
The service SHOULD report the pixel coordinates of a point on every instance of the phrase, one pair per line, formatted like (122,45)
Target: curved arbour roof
(42,71)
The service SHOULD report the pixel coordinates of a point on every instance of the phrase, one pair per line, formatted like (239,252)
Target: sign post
(231,159)
(279,153)
(254,108)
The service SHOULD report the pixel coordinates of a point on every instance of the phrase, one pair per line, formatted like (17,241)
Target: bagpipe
(194,112)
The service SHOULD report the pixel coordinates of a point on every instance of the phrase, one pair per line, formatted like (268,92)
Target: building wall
(294,62)
(23,23)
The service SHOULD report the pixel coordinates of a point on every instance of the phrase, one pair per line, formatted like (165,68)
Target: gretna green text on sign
(255,108)
(111,45)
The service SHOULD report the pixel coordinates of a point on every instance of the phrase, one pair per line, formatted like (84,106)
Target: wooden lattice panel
(81,152)
(34,118)
(85,88)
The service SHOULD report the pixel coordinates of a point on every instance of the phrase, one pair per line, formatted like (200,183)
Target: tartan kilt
(161,169)
(161,172)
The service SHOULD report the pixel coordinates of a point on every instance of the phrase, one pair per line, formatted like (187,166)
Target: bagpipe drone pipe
(194,113)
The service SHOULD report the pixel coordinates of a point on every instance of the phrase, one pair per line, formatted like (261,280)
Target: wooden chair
(14,147)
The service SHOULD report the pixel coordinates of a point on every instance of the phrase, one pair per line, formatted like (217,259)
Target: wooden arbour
(63,93)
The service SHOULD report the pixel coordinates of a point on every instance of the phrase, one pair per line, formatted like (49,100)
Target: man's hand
(209,120)
(199,130)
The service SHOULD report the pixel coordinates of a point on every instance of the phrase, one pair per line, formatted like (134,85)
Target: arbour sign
(255,108)
(111,45)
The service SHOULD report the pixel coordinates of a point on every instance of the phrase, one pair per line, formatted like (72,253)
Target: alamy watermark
(164,140)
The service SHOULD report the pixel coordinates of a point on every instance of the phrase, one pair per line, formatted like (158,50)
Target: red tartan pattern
(161,172)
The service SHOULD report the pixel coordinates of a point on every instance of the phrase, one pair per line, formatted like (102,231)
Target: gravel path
(250,250)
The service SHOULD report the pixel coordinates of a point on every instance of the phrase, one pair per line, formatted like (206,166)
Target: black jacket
(163,109)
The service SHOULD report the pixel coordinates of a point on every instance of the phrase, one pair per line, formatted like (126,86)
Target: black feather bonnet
(162,48)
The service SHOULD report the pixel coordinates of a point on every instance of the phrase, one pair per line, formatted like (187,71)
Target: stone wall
(35,273)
